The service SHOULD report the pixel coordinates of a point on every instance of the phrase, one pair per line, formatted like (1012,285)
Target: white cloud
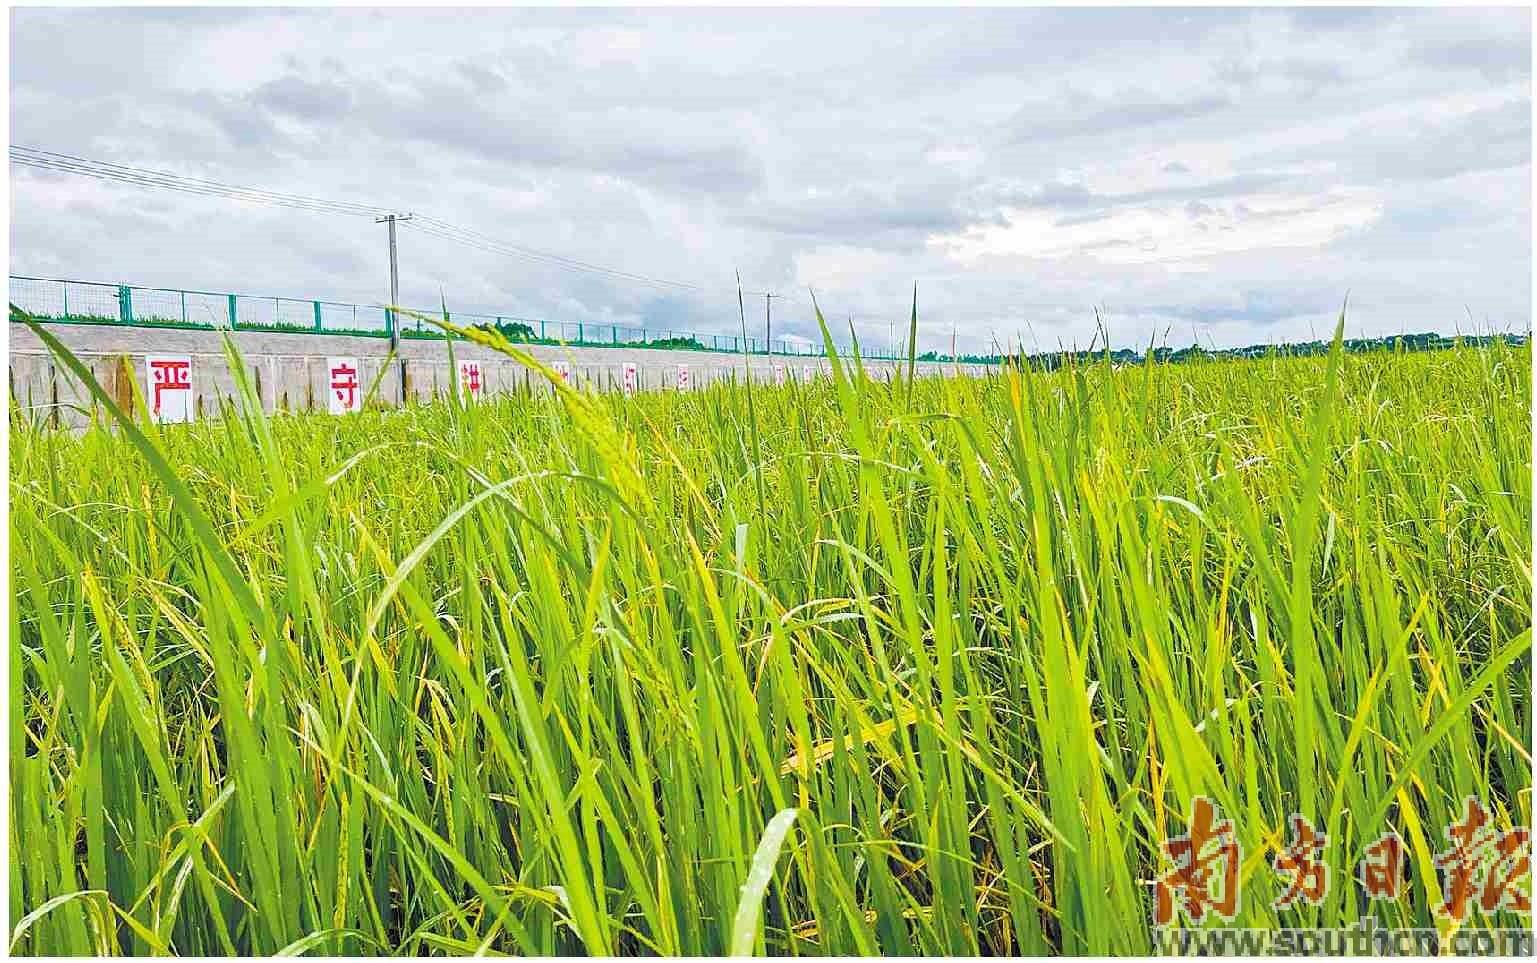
(1231,172)
(1170,235)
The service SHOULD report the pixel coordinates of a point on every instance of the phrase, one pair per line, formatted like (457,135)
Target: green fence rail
(93,302)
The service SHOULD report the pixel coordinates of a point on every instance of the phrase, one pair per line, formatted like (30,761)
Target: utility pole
(768,323)
(394,318)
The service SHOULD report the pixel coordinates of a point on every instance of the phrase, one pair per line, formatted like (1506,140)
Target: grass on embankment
(537,676)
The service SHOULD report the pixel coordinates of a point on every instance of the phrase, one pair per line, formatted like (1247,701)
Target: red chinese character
(1461,861)
(1309,876)
(1513,855)
(344,381)
(472,378)
(1195,856)
(1381,871)
(1503,858)
(170,376)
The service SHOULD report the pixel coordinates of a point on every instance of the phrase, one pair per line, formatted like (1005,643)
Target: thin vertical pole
(394,287)
(390,320)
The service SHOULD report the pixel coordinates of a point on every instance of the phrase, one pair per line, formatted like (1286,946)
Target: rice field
(920,667)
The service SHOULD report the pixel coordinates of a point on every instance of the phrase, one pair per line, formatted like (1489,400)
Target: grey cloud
(1489,139)
(649,147)
(1077,197)
(484,80)
(1089,218)
(1459,43)
(1303,77)
(306,99)
(900,214)
(1256,307)
(1423,149)
(1054,196)
(244,126)
(1080,115)
(1341,18)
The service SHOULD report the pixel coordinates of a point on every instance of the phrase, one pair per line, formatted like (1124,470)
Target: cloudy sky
(1213,174)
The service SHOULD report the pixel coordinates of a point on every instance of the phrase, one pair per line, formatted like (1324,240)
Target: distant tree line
(518,331)
(513,331)
(1426,341)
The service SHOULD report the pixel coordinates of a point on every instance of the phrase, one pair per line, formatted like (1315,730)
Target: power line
(153,179)
(436,227)
(144,177)
(560,259)
(442,229)
(141,181)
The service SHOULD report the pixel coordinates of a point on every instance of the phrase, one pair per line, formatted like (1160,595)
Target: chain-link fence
(90,302)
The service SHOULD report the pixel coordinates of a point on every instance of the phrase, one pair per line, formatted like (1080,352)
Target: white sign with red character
(471,381)
(631,378)
(806,373)
(344,385)
(563,369)
(682,377)
(168,387)
(779,374)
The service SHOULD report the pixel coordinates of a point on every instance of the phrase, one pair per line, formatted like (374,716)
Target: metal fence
(93,302)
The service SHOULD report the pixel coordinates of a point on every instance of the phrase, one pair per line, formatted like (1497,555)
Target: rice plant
(926,666)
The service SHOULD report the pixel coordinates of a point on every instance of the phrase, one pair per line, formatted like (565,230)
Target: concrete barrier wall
(289,373)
